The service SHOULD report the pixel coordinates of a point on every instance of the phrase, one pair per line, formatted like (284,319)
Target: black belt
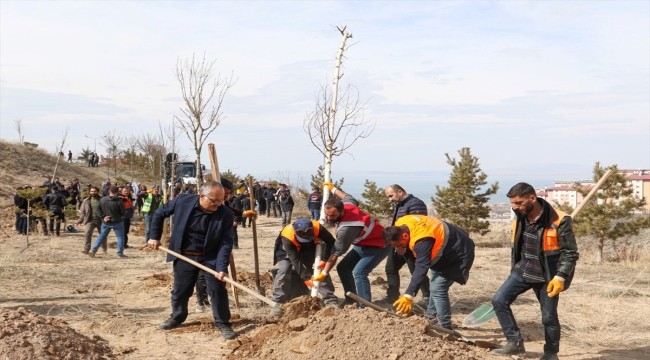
(192,253)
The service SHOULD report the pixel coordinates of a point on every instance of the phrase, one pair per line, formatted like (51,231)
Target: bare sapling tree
(203,92)
(336,123)
(131,143)
(59,150)
(19,128)
(112,142)
(172,141)
(150,145)
(338,119)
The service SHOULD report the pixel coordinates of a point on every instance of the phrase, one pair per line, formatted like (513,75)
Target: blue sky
(559,84)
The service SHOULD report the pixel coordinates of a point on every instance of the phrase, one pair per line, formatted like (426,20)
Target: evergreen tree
(318,179)
(609,215)
(31,195)
(461,203)
(375,202)
(230,176)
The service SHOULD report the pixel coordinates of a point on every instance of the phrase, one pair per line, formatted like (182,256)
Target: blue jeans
(315,214)
(147,226)
(439,304)
(514,286)
(354,269)
(118,227)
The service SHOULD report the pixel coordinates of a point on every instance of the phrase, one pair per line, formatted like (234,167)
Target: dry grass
(605,310)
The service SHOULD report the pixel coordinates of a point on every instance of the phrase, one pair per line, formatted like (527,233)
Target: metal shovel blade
(480,316)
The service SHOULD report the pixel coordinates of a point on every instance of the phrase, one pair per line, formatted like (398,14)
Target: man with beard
(404,204)
(359,230)
(89,217)
(544,256)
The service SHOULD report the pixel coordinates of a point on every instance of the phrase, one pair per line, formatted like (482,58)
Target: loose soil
(113,306)
(26,335)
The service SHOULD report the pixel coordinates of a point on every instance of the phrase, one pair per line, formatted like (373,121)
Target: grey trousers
(286,218)
(88,235)
(282,285)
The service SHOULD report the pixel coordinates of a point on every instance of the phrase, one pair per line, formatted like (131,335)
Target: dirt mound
(379,281)
(26,335)
(158,280)
(248,279)
(348,334)
(300,307)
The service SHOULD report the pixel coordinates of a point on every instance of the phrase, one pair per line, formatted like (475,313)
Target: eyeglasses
(218,202)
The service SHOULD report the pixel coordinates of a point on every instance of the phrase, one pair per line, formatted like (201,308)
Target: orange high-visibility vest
(550,242)
(420,227)
(290,233)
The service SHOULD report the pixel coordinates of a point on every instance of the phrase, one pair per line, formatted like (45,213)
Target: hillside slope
(21,165)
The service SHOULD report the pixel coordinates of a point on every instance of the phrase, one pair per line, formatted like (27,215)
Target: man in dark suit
(202,232)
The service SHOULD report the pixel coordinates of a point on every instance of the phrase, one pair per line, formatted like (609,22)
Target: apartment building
(563,190)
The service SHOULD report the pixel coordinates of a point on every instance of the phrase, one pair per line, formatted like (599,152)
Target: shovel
(479,343)
(480,316)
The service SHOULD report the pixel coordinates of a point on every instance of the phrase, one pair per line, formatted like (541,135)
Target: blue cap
(304,225)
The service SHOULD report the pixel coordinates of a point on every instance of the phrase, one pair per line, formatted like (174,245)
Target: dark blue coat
(219,237)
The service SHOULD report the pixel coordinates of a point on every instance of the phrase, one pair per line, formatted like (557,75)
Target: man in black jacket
(286,205)
(269,196)
(55,202)
(404,204)
(111,210)
(543,258)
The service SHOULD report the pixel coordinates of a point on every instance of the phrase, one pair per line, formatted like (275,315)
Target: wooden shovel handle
(226,278)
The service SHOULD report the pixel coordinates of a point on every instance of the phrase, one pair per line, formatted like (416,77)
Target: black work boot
(513,347)
(549,356)
(228,333)
(169,324)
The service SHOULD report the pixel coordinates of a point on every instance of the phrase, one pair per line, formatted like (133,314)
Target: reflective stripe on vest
(290,233)
(371,233)
(420,227)
(147,203)
(550,242)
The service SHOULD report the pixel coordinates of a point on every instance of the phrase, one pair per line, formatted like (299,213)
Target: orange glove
(329,185)
(309,284)
(320,276)
(404,304)
(555,286)
(250,214)
(321,265)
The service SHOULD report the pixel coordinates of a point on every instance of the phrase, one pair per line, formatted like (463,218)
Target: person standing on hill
(151,201)
(314,203)
(543,258)
(89,218)
(69,156)
(269,195)
(286,204)
(128,207)
(441,248)
(55,202)
(359,230)
(111,210)
(403,204)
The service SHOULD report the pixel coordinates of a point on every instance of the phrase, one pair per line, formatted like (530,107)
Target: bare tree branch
(203,93)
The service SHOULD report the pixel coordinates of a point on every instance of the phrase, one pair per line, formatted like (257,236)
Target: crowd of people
(437,253)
